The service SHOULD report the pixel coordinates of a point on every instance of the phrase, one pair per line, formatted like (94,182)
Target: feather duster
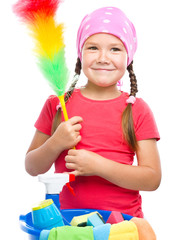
(39,15)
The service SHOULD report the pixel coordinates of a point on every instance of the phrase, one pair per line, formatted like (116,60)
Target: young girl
(107,126)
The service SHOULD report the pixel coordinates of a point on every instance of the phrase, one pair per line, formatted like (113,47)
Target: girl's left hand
(83,162)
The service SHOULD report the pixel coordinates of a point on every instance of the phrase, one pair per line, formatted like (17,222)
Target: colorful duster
(39,15)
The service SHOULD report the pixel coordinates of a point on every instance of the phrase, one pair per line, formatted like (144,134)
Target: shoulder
(140,104)
(45,119)
(144,121)
(141,112)
(141,109)
(51,102)
(52,99)
(50,105)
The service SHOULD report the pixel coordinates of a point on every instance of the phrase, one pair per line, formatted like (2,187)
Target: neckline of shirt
(100,101)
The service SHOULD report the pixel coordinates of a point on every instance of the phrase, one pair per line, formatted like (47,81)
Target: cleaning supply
(54,184)
(44,235)
(71,233)
(95,220)
(81,221)
(40,17)
(46,215)
(115,217)
(125,230)
(102,232)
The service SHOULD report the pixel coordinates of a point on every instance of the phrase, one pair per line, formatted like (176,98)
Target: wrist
(54,146)
(100,165)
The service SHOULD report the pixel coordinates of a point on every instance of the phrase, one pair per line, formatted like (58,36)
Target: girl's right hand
(67,135)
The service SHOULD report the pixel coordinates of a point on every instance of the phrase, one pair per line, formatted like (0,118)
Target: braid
(78,67)
(57,118)
(75,80)
(133,81)
(127,116)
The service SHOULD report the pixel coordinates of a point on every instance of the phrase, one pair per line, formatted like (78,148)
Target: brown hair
(127,117)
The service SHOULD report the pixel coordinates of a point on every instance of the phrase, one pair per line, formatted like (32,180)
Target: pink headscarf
(108,20)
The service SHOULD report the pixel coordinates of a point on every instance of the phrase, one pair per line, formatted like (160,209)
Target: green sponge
(81,221)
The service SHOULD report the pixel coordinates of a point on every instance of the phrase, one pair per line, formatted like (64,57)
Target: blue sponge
(44,235)
(102,232)
(95,220)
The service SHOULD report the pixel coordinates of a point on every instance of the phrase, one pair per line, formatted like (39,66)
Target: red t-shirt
(101,133)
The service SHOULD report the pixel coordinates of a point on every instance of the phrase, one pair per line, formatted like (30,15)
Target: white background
(23,92)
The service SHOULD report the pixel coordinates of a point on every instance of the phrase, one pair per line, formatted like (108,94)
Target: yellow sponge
(125,230)
(81,220)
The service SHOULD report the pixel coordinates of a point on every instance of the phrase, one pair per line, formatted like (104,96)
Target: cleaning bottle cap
(43,204)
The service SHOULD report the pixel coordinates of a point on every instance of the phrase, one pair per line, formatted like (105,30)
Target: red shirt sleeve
(45,119)
(144,122)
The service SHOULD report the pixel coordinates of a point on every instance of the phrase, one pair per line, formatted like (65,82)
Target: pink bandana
(108,20)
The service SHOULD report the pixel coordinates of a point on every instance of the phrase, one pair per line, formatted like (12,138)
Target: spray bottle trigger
(71,179)
(70,189)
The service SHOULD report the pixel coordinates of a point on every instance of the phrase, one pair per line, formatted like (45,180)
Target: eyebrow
(91,43)
(112,44)
(117,44)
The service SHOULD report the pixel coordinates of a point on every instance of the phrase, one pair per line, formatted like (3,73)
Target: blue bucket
(26,223)
(27,226)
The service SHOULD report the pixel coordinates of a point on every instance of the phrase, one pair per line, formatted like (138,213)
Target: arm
(40,155)
(146,176)
(45,149)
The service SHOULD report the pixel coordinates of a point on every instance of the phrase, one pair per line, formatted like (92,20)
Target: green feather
(55,71)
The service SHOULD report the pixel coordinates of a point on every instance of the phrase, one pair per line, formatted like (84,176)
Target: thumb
(75,172)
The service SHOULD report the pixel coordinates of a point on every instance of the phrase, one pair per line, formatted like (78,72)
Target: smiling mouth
(102,69)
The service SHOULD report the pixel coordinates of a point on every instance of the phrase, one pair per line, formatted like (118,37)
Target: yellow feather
(48,35)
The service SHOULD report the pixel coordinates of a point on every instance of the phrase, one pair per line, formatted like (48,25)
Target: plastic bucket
(27,227)
(32,233)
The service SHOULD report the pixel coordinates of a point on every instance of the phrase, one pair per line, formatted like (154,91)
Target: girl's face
(104,59)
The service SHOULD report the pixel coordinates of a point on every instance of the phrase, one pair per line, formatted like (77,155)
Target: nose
(103,57)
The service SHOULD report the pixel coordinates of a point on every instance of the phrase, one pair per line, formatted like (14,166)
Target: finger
(72,152)
(78,139)
(75,172)
(69,159)
(76,134)
(76,119)
(70,166)
(77,127)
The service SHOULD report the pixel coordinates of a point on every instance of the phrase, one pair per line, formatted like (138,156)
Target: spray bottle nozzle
(71,177)
(54,182)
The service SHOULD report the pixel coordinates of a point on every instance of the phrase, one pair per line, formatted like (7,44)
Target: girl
(107,126)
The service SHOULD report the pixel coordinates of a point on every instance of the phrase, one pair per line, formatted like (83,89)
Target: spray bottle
(54,184)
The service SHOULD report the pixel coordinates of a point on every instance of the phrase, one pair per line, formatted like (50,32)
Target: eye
(92,48)
(115,49)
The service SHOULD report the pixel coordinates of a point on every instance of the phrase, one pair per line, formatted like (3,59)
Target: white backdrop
(23,92)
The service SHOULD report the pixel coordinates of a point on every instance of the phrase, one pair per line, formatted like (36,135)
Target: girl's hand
(67,134)
(83,162)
